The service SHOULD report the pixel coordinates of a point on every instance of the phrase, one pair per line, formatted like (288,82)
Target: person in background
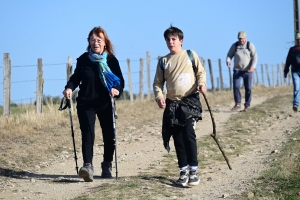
(293,60)
(245,61)
(182,84)
(99,78)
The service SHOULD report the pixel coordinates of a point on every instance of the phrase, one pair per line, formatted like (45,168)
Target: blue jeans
(296,82)
(247,78)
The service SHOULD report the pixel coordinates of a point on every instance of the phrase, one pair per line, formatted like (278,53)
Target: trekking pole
(214,134)
(68,104)
(114,116)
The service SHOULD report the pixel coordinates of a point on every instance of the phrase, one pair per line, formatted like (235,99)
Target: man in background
(245,60)
(293,59)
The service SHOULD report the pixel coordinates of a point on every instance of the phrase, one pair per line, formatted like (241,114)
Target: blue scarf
(108,79)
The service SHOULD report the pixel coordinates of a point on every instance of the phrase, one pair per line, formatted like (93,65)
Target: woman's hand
(114,92)
(67,93)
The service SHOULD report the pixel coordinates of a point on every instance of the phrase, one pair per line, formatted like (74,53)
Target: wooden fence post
(262,75)
(69,74)
(39,87)
(282,68)
(141,78)
(273,76)
(280,74)
(148,75)
(221,76)
(267,71)
(130,81)
(6,85)
(253,79)
(69,68)
(211,76)
(278,82)
(257,80)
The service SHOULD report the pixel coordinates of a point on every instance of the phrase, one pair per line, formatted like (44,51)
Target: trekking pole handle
(67,105)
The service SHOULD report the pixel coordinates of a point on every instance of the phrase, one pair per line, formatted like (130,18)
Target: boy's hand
(161,103)
(202,88)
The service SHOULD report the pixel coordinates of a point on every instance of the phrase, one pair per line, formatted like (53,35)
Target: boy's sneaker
(183,178)
(295,108)
(194,178)
(106,169)
(237,107)
(86,172)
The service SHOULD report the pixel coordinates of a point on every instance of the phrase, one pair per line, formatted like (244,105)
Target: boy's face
(174,44)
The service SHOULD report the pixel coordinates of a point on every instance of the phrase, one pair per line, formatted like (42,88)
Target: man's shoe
(86,172)
(183,178)
(236,108)
(245,109)
(106,169)
(295,108)
(194,178)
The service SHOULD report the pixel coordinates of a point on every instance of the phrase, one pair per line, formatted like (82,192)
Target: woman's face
(97,43)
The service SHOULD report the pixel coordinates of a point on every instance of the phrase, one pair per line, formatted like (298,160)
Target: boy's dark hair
(173,31)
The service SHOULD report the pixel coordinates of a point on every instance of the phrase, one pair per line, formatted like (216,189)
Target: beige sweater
(179,76)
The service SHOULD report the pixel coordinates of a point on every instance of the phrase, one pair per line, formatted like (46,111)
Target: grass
(281,180)
(24,135)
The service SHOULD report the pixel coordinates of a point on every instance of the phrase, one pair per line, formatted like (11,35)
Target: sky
(53,30)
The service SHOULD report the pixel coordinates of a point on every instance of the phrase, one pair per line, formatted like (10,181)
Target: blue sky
(54,30)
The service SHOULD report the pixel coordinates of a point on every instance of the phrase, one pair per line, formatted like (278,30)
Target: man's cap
(242,34)
(298,36)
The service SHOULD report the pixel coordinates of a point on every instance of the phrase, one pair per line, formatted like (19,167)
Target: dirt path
(135,155)
(220,182)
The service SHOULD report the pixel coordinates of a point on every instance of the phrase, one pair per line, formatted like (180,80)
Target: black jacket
(86,76)
(293,58)
(177,112)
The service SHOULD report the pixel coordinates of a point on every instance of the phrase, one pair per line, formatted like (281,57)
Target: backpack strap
(191,56)
(236,45)
(161,65)
(248,46)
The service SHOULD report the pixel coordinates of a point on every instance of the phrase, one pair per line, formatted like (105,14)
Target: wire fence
(24,78)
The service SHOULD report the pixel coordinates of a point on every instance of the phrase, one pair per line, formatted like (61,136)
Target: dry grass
(27,138)
(281,180)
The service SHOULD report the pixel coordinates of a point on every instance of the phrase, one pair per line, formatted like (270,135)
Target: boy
(183,82)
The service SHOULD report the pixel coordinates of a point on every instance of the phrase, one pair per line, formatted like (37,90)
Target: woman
(99,78)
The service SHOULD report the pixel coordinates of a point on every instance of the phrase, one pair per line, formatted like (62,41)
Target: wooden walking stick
(214,134)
